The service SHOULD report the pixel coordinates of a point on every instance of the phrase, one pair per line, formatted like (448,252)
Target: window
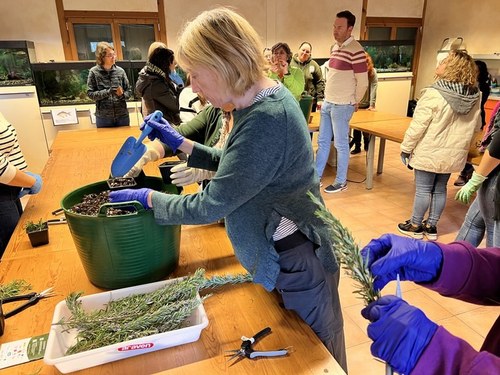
(130,33)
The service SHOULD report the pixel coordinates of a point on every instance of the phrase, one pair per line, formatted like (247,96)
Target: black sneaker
(408,229)
(430,231)
(336,187)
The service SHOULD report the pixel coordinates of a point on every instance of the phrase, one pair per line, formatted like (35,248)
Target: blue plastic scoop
(132,150)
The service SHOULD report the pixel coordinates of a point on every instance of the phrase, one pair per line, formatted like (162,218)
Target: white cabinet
(393,92)
(19,105)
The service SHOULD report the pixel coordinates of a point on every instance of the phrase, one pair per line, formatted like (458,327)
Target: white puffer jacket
(438,137)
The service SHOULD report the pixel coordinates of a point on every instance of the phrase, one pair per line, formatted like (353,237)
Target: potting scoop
(132,150)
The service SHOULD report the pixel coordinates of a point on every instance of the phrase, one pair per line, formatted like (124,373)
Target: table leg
(369,162)
(381,152)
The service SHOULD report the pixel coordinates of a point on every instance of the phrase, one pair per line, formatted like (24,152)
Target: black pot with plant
(38,232)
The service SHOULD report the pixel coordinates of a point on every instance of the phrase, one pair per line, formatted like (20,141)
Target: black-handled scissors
(32,299)
(246,349)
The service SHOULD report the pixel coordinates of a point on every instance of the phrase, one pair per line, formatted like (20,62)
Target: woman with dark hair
(483,80)
(291,77)
(313,77)
(157,90)
(108,86)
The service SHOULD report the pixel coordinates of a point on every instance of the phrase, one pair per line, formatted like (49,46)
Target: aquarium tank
(390,56)
(65,83)
(16,57)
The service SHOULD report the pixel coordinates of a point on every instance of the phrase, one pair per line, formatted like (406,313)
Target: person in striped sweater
(15,181)
(346,84)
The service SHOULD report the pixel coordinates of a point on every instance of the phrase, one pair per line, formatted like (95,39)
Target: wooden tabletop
(82,157)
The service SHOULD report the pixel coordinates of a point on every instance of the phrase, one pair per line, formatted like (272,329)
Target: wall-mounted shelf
(487,56)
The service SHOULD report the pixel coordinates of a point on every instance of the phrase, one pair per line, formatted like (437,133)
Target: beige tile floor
(369,214)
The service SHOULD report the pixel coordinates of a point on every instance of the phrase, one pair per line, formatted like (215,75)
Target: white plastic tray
(59,342)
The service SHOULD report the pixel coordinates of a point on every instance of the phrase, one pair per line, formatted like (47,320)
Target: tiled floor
(369,214)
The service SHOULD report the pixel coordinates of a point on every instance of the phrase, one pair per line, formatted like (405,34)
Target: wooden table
(386,126)
(82,157)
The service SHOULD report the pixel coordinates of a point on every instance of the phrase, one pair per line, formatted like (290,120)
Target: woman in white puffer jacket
(437,141)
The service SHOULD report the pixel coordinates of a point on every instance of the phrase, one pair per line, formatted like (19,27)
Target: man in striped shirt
(346,83)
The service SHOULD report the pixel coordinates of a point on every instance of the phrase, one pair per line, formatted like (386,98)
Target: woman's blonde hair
(100,52)
(224,42)
(460,67)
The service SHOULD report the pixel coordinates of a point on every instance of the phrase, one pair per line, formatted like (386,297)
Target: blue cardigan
(263,173)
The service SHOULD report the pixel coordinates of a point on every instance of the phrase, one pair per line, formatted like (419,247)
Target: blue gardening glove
(412,259)
(465,193)
(405,158)
(37,186)
(126,195)
(400,332)
(164,132)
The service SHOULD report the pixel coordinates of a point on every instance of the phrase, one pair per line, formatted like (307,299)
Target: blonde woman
(437,141)
(108,85)
(269,217)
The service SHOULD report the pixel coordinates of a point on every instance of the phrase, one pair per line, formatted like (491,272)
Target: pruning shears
(32,299)
(246,348)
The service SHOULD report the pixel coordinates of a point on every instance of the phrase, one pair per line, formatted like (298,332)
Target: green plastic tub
(125,250)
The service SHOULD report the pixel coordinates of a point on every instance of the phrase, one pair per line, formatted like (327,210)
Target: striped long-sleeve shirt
(11,157)
(347,78)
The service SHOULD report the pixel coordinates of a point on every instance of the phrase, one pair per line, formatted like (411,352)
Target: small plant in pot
(38,232)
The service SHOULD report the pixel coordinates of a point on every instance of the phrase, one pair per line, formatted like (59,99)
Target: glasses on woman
(110,55)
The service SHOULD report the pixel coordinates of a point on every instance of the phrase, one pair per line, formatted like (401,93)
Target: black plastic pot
(39,237)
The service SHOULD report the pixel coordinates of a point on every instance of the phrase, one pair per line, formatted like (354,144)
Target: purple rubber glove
(126,195)
(412,259)
(400,332)
(37,186)
(164,132)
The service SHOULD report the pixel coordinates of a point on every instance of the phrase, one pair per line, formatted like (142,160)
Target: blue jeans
(479,217)
(334,122)
(430,194)
(104,122)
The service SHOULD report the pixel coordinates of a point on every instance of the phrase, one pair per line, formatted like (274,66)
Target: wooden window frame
(394,23)
(68,18)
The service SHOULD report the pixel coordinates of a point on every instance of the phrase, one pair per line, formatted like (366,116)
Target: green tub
(125,250)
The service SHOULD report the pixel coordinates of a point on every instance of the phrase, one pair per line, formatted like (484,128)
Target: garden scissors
(32,299)
(246,349)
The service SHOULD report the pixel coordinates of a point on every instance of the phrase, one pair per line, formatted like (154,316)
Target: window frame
(68,18)
(394,23)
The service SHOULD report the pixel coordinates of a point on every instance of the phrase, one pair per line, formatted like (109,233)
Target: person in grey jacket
(108,86)
(263,174)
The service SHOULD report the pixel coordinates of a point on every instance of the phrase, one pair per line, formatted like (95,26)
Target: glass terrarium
(391,56)
(65,83)
(15,59)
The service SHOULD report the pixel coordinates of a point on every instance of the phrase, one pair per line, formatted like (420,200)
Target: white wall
(276,20)
(475,21)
